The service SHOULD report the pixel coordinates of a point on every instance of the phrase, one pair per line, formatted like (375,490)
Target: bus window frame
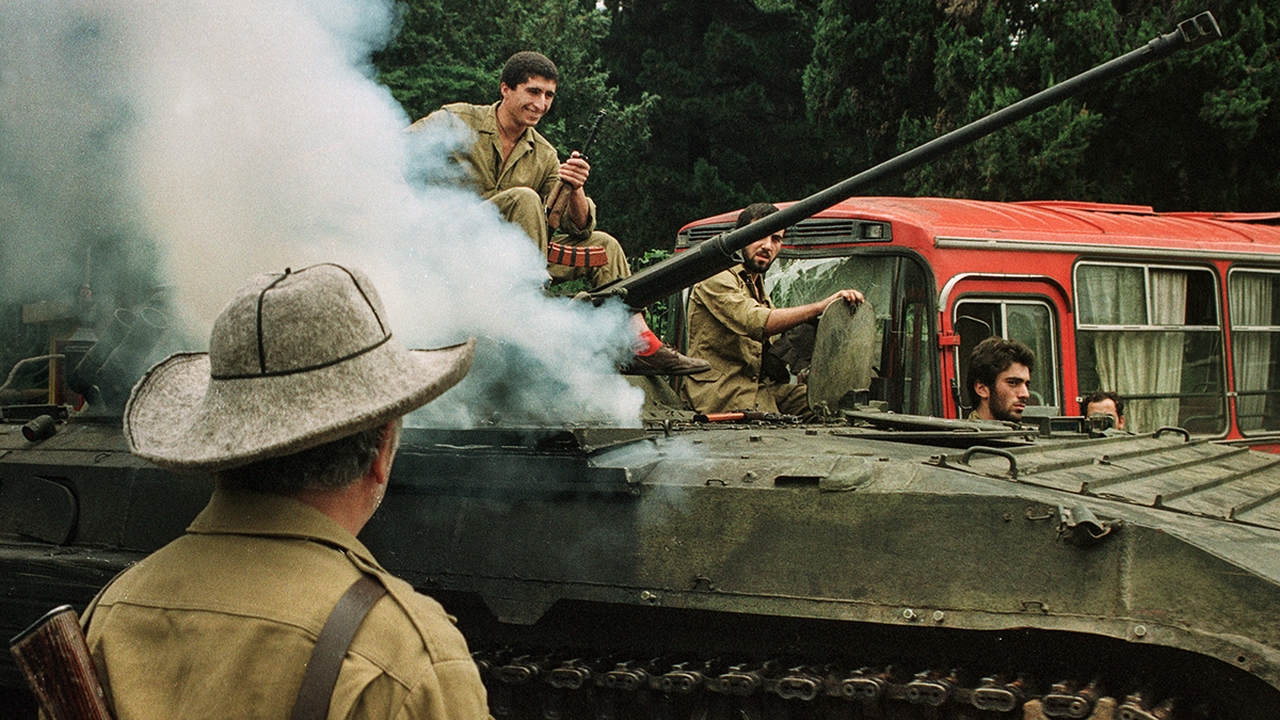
(1005,299)
(1220,314)
(1146,277)
(944,297)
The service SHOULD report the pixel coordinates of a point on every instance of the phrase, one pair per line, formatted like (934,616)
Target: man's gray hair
(331,466)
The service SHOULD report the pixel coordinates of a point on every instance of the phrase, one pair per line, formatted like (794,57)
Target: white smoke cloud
(213,141)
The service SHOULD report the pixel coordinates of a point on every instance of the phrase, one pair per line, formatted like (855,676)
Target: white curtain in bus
(1146,362)
(1251,306)
(1110,295)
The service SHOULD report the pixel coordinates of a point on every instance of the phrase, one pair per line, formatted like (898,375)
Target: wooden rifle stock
(54,657)
(558,200)
(557,203)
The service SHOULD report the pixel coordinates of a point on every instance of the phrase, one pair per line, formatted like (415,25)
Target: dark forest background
(718,103)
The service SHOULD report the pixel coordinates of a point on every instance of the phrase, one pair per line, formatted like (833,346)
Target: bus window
(1255,348)
(1030,322)
(899,291)
(1152,334)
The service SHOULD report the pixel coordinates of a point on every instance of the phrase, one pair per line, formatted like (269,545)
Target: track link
(534,686)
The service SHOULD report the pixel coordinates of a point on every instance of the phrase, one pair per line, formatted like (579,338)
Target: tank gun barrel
(722,252)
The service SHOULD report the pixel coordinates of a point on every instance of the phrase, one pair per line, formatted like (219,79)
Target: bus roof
(1060,222)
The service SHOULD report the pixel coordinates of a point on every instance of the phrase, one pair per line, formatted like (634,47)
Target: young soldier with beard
(999,379)
(730,322)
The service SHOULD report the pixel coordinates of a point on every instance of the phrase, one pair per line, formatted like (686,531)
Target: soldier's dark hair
(526,64)
(754,212)
(331,466)
(992,357)
(1099,396)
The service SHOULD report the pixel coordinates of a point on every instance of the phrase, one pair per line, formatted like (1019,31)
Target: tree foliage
(719,103)
(1171,134)
(730,126)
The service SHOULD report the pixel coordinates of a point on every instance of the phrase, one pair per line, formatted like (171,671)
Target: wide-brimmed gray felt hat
(295,360)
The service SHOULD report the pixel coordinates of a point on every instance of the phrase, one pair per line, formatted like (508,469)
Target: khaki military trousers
(525,208)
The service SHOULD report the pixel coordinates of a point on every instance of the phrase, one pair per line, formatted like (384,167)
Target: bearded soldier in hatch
(730,322)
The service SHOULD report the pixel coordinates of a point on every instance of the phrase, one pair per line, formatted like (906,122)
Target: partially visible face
(1106,406)
(1008,397)
(759,255)
(527,102)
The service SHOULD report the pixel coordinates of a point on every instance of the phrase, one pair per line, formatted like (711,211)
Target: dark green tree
(716,104)
(729,126)
(1201,134)
(1190,132)
(872,66)
(453,51)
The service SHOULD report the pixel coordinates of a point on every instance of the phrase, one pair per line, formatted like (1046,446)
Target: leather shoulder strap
(331,647)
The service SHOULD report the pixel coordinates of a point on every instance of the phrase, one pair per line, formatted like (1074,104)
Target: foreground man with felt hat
(296,411)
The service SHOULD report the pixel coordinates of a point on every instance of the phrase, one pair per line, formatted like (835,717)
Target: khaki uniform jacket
(534,162)
(727,313)
(221,622)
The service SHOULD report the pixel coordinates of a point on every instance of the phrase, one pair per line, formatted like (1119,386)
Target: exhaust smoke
(191,145)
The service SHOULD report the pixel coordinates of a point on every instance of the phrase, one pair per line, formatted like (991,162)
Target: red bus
(1179,313)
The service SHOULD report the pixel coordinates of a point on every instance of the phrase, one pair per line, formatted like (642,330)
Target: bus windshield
(899,290)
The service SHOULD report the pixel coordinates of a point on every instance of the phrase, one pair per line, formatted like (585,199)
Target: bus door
(1253,296)
(1028,309)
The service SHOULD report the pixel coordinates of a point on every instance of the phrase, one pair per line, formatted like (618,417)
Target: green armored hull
(845,568)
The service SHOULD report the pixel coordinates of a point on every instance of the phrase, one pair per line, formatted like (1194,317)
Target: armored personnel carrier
(890,565)
(877,565)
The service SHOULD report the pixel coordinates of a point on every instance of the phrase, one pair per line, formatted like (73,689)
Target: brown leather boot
(665,361)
